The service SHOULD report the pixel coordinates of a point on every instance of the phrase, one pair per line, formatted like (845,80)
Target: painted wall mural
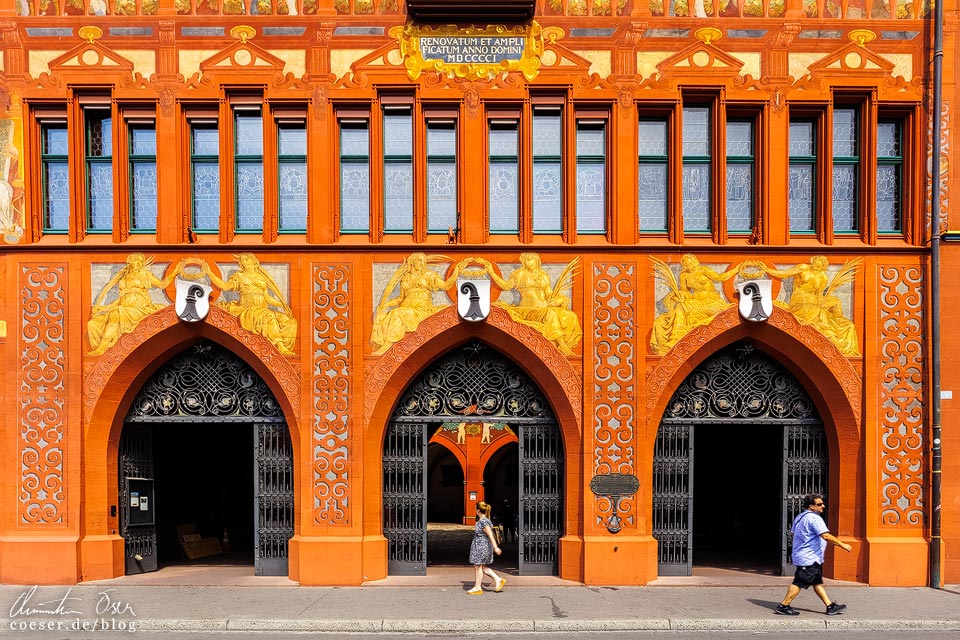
(42,393)
(811,291)
(11,181)
(535,298)
(331,393)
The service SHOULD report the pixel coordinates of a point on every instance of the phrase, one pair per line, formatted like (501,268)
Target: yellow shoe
(500,584)
(475,592)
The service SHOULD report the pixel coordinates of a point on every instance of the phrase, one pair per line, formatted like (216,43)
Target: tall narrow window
(652,176)
(248,162)
(292,175)
(441,175)
(889,177)
(397,170)
(354,176)
(740,172)
(591,176)
(846,164)
(504,179)
(205,179)
(802,179)
(547,171)
(696,169)
(55,172)
(142,158)
(98,127)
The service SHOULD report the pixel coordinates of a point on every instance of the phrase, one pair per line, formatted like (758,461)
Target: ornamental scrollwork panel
(42,394)
(901,351)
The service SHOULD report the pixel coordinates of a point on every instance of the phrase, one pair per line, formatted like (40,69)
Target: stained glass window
(889,177)
(441,176)
(143,177)
(56,176)
(801,189)
(98,125)
(397,170)
(547,182)
(248,161)
(846,164)
(696,169)
(591,176)
(740,176)
(504,178)
(652,175)
(205,166)
(292,175)
(354,176)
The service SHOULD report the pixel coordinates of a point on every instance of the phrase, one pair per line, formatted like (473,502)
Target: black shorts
(808,576)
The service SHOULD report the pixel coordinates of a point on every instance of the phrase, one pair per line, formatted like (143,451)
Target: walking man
(810,537)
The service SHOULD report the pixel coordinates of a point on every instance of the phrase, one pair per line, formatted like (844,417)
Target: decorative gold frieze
(473,52)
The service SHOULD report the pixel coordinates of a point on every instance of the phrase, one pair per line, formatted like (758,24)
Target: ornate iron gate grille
(208,384)
(478,384)
(405,498)
(136,461)
(272,498)
(541,498)
(738,385)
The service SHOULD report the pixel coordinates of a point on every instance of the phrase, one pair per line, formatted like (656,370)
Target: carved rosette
(390,362)
(280,367)
(42,394)
(614,374)
(331,394)
(901,395)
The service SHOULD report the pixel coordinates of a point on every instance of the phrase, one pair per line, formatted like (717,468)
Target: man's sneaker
(835,609)
(785,610)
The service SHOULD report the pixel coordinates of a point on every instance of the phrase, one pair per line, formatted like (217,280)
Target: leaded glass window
(354,176)
(441,176)
(889,177)
(397,170)
(846,165)
(547,171)
(740,176)
(55,176)
(591,176)
(696,169)
(248,165)
(652,175)
(98,127)
(802,179)
(143,176)
(504,178)
(205,169)
(292,175)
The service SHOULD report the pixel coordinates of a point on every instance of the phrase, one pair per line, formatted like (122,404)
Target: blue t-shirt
(808,546)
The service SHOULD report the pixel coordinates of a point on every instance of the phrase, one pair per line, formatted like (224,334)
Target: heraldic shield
(193,300)
(756,299)
(473,299)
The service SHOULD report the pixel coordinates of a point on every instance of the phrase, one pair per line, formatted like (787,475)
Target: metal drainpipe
(936,459)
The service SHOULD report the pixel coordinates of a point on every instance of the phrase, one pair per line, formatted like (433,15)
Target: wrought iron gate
(738,385)
(475,383)
(272,498)
(541,498)
(405,498)
(207,384)
(136,461)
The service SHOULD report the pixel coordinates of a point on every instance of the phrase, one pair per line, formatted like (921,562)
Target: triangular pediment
(90,56)
(242,57)
(701,60)
(851,57)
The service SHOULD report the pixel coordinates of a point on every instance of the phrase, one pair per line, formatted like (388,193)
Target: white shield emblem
(193,300)
(756,299)
(473,299)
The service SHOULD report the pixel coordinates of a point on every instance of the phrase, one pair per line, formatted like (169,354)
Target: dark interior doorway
(737,497)
(448,539)
(204,477)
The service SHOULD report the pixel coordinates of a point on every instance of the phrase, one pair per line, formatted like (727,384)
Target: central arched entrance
(473,383)
(739,445)
(206,466)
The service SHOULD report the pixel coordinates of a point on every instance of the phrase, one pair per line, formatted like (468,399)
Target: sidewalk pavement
(448,609)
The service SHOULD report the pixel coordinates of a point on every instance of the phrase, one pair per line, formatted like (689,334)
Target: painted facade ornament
(473,52)
(397,316)
(693,300)
(260,308)
(193,301)
(543,306)
(11,184)
(473,295)
(133,282)
(813,300)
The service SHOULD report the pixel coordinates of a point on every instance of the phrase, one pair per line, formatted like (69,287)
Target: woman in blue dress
(482,549)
